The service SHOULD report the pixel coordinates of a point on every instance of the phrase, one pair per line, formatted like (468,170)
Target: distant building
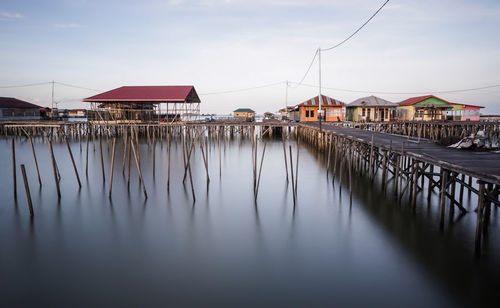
(244,113)
(145,103)
(333,110)
(77,113)
(463,112)
(423,108)
(13,109)
(370,108)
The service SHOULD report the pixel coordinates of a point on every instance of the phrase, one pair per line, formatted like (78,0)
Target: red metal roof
(413,100)
(325,102)
(10,102)
(147,94)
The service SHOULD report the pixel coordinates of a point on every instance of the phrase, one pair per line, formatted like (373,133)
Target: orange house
(333,110)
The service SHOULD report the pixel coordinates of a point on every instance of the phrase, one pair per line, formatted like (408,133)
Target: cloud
(69,26)
(7,15)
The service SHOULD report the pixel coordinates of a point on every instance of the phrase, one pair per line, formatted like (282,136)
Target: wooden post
(479,224)
(36,161)
(54,168)
(87,157)
(112,165)
(442,202)
(168,159)
(291,172)
(284,155)
(27,189)
(137,164)
(74,165)
(14,176)
(102,160)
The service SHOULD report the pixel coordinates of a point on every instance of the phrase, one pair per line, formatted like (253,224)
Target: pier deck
(481,165)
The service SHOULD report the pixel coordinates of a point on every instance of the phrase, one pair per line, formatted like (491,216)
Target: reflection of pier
(413,167)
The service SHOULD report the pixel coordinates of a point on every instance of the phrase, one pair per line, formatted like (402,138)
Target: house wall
(471,113)
(19,114)
(333,114)
(244,114)
(370,114)
(408,113)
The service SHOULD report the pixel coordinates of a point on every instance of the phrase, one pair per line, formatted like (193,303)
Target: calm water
(225,249)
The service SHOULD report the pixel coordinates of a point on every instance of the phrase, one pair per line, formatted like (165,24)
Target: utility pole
(286,100)
(320,112)
(52,94)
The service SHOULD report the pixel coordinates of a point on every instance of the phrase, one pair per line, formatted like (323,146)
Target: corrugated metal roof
(325,102)
(10,102)
(371,101)
(413,100)
(147,94)
(243,110)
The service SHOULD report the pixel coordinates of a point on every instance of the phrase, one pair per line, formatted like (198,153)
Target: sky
(423,47)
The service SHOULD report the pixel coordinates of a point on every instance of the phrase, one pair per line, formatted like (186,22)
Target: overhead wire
(25,85)
(308,69)
(408,93)
(355,32)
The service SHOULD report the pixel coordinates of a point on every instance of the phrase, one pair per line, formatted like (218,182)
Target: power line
(308,69)
(355,32)
(408,93)
(26,85)
(78,87)
(243,89)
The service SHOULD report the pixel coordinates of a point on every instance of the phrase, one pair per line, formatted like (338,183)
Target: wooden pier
(412,165)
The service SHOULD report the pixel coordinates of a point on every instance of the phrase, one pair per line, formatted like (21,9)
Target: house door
(381,114)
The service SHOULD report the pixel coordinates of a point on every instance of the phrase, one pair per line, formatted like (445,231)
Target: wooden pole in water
(220,153)
(112,165)
(291,172)
(125,143)
(297,167)
(36,161)
(442,202)
(479,224)
(284,156)
(27,189)
(14,176)
(54,168)
(154,152)
(168,159)
(74,165)
(137,164)
(130,141)
(102,160)
(87,156)
(260,169)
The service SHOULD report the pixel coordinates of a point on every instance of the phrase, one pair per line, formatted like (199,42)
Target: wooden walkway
(481,165)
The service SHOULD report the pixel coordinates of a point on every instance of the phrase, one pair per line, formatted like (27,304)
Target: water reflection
(228,248)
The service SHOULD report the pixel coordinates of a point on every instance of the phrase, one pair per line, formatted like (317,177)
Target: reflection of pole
(319,96)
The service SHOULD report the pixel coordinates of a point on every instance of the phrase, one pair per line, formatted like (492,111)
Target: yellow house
(244,113)
(423,108)
(371,108)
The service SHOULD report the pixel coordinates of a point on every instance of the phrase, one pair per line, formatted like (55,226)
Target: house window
(369,111)
(307,113)
(386,113)
(363,112)
(312,113)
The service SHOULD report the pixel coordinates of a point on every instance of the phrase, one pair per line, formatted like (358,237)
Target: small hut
(423,108)
(145,103)
(13,109)
(333,110)
(370,108)
(244,114)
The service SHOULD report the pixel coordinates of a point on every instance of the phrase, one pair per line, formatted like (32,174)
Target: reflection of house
(462,112)
(333,110)
(244,113)
(145,103)
(423,108)
(370,108)
(15,109)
